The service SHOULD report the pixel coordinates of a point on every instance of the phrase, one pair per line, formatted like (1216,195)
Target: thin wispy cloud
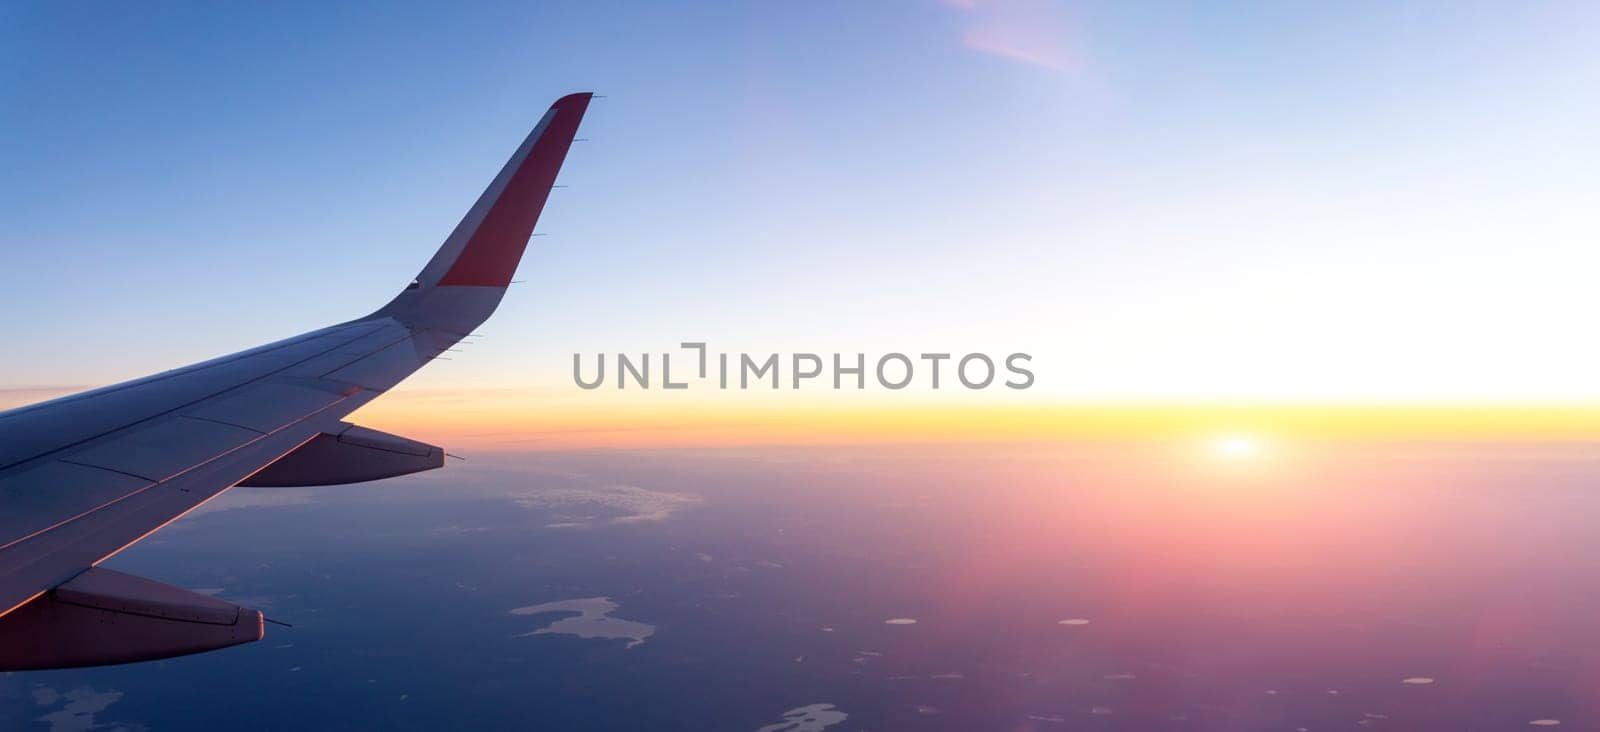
(21,396)
(1033,32)
(254,498)
(630,504)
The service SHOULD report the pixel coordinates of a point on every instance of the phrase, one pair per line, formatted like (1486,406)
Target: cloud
(1033,32)
(632,503)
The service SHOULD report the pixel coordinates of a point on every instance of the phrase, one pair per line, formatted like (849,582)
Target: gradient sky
(1325,202)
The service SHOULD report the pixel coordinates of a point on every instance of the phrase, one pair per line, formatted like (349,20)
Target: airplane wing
(85,476)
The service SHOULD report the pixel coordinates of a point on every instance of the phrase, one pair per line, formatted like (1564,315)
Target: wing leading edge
(87,475)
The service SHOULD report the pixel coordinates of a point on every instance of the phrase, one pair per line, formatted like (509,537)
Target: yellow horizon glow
(534,421)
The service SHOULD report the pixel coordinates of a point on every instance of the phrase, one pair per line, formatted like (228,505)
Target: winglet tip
(571,99)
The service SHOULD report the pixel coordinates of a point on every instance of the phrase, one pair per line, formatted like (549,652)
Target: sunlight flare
(1236,447)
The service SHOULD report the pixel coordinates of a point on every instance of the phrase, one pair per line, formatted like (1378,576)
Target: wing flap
(266,407)
(54,492)
(164,449)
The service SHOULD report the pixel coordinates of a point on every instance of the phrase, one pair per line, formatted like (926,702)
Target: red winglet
(490,257)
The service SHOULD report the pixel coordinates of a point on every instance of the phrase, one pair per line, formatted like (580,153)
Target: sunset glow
(800,367)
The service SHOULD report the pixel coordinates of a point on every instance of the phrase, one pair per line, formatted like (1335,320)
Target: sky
(1365,203)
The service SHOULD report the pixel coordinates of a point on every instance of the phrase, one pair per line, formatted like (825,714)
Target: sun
(1236,447)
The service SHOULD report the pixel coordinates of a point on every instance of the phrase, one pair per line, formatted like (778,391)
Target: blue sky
(1383,200)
